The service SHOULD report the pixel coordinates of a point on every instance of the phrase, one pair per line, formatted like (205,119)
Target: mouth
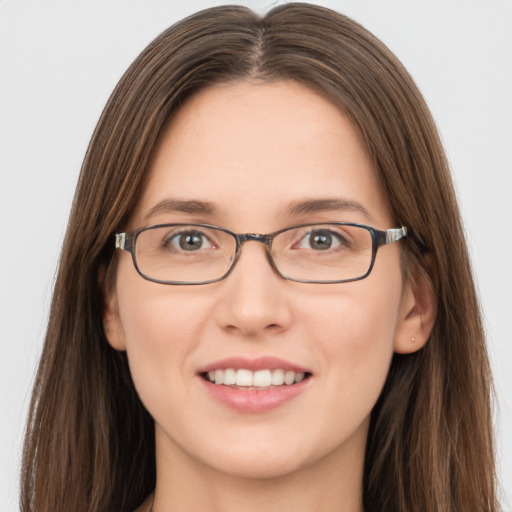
(254,385)
(245,379)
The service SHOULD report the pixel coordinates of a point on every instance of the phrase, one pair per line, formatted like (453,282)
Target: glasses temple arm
(394,234)
(124,241)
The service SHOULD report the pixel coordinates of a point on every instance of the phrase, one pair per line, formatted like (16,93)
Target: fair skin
(251,150)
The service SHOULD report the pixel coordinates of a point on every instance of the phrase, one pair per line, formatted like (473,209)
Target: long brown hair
(90,442)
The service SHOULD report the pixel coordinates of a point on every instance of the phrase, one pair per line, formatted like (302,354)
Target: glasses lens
(323,252)
(184,253)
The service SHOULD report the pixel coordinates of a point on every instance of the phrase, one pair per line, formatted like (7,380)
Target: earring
(413,340)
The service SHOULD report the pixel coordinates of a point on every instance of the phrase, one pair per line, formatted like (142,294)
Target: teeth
(229,377)
(289,377)
(262,378)
(243,378)
(277,377)
(259,379)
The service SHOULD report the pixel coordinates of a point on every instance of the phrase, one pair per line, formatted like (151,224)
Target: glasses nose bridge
(254,237)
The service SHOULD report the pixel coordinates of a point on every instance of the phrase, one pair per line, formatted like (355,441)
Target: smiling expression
(256,375)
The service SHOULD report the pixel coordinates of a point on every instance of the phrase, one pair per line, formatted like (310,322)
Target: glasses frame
(126,241)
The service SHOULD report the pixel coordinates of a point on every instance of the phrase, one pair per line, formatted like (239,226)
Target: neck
(333,483)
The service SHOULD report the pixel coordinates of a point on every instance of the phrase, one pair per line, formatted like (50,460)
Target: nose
(252,300)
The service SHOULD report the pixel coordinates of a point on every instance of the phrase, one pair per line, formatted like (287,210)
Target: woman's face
(255,158)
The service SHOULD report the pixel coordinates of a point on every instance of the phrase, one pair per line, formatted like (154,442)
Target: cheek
(353,331)
(357,319)
(161,330)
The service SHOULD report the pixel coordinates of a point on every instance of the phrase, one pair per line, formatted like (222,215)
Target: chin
(263,459)
(258,468)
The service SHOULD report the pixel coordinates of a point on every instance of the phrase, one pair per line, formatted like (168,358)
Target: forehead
(252,149)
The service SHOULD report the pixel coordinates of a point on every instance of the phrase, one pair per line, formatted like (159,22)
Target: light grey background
(59,61)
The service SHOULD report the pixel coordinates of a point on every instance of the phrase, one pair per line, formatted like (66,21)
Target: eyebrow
(295,208)
(312,206)
(182,206)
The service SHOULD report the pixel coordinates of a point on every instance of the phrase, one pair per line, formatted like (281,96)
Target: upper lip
(259,363)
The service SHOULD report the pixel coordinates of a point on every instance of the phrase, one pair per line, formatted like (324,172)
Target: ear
(111,320)
(417,313)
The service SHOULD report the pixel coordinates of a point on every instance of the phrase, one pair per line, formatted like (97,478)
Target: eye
(320,240)
(188,241)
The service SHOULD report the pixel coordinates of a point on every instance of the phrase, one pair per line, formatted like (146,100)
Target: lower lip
(255,400)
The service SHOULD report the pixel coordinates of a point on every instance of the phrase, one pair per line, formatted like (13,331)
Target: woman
(296,324)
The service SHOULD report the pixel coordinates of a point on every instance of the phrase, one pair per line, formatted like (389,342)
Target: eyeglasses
(332,252)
